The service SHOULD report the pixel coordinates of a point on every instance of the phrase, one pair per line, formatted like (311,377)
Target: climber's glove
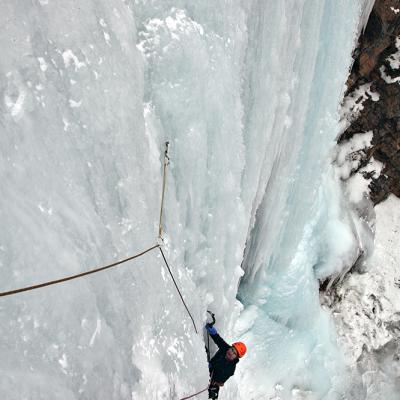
(211,330)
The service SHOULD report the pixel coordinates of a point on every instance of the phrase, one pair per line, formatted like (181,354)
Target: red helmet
(240,348)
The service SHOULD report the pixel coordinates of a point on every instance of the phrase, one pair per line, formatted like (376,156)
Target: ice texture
(302,227)
(247,93)
(367,316)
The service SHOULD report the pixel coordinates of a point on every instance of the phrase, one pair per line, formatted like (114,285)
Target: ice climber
(222,366)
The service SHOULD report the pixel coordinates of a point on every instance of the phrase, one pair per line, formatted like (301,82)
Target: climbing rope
(195,394)
(177,288)
(68,278)
(166,163)
(117,263)
(201,391)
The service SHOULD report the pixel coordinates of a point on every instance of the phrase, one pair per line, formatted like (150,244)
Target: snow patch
(394,59)
(63,361)
(367,314)
(349,154)
(69,57)
(42,64)
(96,332)
(386,77)
(16,107)
(172,29)
(353,104)
(357,185)
(75,104)
(107,38)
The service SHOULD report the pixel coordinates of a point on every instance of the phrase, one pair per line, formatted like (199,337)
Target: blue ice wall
(301,230)
(247,94)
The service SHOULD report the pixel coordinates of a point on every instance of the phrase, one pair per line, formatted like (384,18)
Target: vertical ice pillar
(294,87)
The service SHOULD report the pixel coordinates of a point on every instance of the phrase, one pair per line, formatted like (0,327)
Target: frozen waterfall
(247,92)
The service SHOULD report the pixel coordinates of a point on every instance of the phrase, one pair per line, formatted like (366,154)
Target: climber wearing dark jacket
(222,366)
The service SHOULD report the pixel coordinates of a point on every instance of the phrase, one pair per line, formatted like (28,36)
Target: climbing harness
(115,264)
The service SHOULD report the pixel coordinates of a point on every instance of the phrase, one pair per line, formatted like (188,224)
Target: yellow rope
(166,162)
(68,278)
(114,264)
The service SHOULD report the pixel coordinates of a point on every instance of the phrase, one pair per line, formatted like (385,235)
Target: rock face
(365,308)
(377,64)
(365,301)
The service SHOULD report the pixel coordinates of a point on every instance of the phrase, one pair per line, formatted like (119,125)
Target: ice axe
(213,318)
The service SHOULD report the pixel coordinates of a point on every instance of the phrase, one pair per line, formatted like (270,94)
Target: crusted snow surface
(367,313)
(365,302)
(353,165)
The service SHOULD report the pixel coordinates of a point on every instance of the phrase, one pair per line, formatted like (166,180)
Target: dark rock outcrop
(371,65)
